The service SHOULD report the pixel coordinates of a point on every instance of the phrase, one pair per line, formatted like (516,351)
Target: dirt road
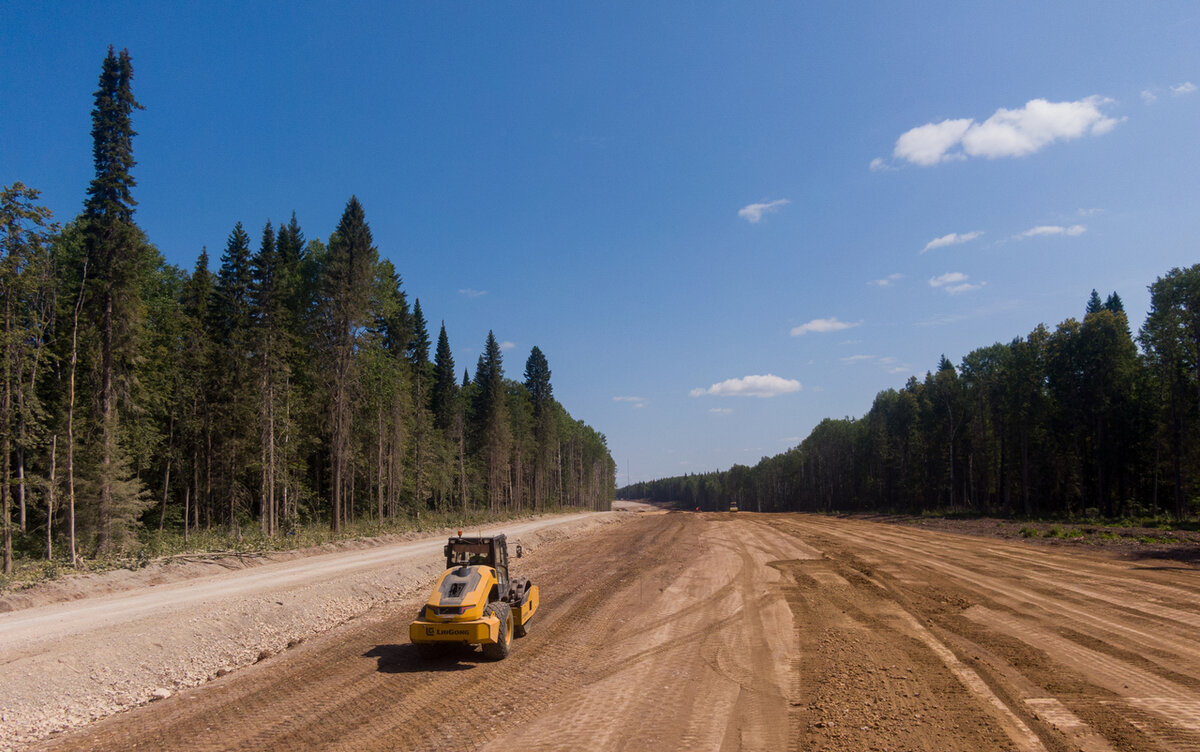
(757,632)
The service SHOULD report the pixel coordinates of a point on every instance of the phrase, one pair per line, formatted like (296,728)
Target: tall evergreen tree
(27,288)
(537,383)
(1094,305)
(345,300)
(445,388)
(232,317)
(114,249)
(492,425)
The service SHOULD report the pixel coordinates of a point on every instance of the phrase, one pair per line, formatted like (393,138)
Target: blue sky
(722,222)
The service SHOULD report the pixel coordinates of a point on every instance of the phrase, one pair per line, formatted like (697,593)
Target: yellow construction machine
(474,601)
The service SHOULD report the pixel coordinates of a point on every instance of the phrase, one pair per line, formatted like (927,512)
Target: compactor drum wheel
(499,649)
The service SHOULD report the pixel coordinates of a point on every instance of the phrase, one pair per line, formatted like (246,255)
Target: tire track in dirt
(747,631)
(1082,643)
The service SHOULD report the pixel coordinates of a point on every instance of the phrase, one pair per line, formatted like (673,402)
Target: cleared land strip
(65,664)
(727,632)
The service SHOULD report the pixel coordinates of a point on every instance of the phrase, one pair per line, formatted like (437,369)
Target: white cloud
(635,401)
(823,325)
(949,278)
(1007,133)
(769,385)
(472,293)
(721,410)
(506,345)
(878,164)
(1073,231)
(753,213)
(1187,87)
(1149,97)
(886,281)
(928,144)
(952,239)
(792,439)
(954,283)
(856,358)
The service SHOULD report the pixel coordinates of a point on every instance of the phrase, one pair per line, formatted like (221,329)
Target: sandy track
(758,632)
(65,664)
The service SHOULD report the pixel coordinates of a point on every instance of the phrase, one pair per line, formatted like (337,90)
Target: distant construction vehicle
(733,506)
(474,601)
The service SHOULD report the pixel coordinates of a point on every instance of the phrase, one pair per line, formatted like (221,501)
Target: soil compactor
(475,602)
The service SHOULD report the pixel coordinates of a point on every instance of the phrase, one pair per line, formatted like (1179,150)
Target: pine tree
(27,288)
(198,365)
(114,248)
(345,300)
(492,423)
(1094,305)
(445,388)
(537,383)
(232,325)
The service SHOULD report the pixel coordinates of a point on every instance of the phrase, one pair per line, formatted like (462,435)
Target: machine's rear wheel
(499,650)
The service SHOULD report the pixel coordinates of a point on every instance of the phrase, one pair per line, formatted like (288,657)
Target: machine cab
(489,552)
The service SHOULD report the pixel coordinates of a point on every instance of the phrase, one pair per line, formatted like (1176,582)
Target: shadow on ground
(409,658)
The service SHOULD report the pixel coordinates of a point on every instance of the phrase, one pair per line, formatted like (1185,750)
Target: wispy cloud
(721,410)
(768,385)
(1187,87)
(887,281)
(1149,97)
(472,293)
(753,213)
(1007,133)
(1073,231)
(823,325)
(635,401)
(879,164)
(952,239)
(954,283)
(506,345)
(856,358)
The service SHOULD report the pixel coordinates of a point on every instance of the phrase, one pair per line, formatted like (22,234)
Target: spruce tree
(232,325)
(1094,305)
(345,304)
(445,388)
(114,250)
(537,380)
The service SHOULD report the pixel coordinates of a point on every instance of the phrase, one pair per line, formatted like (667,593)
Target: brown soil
(746,631)
(1128,542)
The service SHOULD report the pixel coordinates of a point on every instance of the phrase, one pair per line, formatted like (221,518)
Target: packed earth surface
(658,630)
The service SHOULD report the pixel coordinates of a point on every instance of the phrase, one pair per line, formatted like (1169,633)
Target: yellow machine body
(474,602)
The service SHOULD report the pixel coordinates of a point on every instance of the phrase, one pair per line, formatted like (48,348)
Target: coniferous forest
(286,382)
(1075,422)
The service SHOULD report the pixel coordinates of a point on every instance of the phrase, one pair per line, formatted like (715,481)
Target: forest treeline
(291,383)
(1078,421)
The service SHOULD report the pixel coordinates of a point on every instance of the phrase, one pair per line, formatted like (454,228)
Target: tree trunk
(71,418)
(5,446)
(108,428)
(162,517)
(51,491)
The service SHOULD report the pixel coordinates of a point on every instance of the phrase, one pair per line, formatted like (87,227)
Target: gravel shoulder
(81,649)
